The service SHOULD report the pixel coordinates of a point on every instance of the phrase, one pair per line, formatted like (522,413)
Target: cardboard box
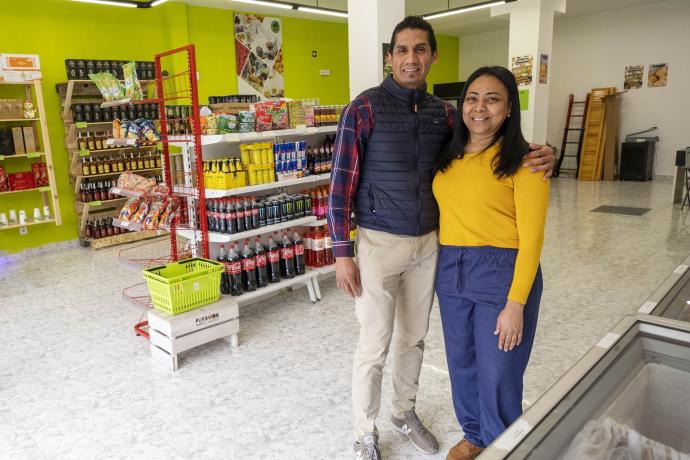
(18,138)
(20,62)
(22,181)
(11,108)
(29,139)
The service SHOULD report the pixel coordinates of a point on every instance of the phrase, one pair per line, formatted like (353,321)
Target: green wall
(60,29)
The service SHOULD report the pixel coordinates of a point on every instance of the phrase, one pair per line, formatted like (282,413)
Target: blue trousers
(472,285)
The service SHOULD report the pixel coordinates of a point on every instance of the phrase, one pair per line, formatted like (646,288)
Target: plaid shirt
(354,130)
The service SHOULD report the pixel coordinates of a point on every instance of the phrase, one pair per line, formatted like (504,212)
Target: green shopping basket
(181,286)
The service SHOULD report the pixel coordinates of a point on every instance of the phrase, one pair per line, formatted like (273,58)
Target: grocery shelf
(98,204)
(113,149)
(22,83)
(133,226)
(318,223)
(18,119)
(210,139)
(36,189)
(22,155)
(325,270)
(271,288)
(215,237)
(28,224)
(128,237)
(111,174)
(215,193)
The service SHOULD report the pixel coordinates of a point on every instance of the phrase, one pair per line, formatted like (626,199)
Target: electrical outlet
(23,230)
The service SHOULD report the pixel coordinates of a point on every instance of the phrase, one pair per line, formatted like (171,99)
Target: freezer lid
(670,299)
(539,432)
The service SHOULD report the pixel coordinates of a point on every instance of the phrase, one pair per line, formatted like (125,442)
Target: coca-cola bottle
(239,212)
(235,271)
(256,223)
(261,264)
(287,256)
(328,247)
(317,244)
(221,221)
(230,217)
(209,216)
(225,275)
(273,261)
(298,247)
(248,221)
(248,268)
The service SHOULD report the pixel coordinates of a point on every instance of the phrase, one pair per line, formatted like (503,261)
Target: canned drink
(270,213)
(252,174)
(298,206)
(244,156)
(307,204)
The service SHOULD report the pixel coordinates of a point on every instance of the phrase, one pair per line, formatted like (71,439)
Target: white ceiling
(462,24)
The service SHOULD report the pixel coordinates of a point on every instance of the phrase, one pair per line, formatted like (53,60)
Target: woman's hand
(509,326)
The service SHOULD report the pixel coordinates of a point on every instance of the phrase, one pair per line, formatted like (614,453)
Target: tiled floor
(75,382)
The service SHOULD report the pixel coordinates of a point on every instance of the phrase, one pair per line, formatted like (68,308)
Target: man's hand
(541,158)
(347,276)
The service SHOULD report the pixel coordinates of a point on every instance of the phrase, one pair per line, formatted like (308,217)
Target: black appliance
(637,156)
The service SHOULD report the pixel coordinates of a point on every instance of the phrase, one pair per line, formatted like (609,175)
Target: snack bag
(117,129)
(132,86)
(129,209)
(141,213)
(107,84)
(151,221)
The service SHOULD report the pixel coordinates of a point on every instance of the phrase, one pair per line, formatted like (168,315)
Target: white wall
(592,51)
(477,50)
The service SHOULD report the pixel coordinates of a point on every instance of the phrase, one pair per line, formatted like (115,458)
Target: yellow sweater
(479,209)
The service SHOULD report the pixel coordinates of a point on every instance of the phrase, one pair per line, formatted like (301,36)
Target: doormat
(623,210)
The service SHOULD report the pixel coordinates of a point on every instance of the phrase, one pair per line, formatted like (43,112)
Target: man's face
(411,58)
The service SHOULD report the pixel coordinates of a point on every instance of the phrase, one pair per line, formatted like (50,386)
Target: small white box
(20,62)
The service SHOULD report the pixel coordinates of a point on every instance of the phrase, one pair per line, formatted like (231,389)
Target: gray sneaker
(419,436)
(367,447)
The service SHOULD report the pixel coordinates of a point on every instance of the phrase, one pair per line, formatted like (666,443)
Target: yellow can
(244,155)
(267,174)
(251,174)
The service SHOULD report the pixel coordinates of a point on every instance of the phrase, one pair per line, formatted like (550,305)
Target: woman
(489,283)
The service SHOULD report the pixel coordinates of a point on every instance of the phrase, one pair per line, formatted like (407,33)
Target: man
(386,145)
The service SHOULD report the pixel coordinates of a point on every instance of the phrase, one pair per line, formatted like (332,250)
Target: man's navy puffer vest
(410,128)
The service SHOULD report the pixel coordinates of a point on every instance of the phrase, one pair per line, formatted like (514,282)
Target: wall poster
(259,56)
(543,68)
(633,77)
(523,67)
(658,75)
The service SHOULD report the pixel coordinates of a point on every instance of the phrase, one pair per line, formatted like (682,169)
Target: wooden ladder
(572,125)
(592,154)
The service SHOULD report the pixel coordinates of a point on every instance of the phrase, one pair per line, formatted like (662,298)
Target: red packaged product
(22,181)
(40,172)
(4,181)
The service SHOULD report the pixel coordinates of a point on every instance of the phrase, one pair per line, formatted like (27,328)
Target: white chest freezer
(627,398)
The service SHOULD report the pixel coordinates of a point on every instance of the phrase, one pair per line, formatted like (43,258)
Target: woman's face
(486,107)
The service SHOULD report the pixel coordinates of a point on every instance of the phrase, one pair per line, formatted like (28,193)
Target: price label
(234,137)
(44,189)
(81,124)
(2,157)
(124,223)
(95,203)
(33,155)
(84,153)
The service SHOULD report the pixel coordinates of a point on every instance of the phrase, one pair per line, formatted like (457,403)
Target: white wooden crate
(170,335)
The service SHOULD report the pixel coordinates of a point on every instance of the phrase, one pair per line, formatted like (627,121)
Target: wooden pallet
(591,160)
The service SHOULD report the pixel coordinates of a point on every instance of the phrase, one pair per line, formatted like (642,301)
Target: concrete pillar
(370,23)
(531,34)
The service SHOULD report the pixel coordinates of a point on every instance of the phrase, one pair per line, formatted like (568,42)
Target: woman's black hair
(513,144)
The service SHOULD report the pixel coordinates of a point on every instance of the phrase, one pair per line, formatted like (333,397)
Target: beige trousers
(397,274)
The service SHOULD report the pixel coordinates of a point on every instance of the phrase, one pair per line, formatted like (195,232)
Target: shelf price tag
(84,152)
(124,223)
(44,189)
(95,203)
(2,157)
(33,154)
(81,124)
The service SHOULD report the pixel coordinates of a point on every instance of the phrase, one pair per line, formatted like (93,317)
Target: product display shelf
(33,92)
(22,155)
(78,179)
(211,139)
(72,88)
(36,189)
(307,280)
(215,237)
(322,272)
(97,205)
(318,223)
(28,224)
(216,193)
(123,238)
